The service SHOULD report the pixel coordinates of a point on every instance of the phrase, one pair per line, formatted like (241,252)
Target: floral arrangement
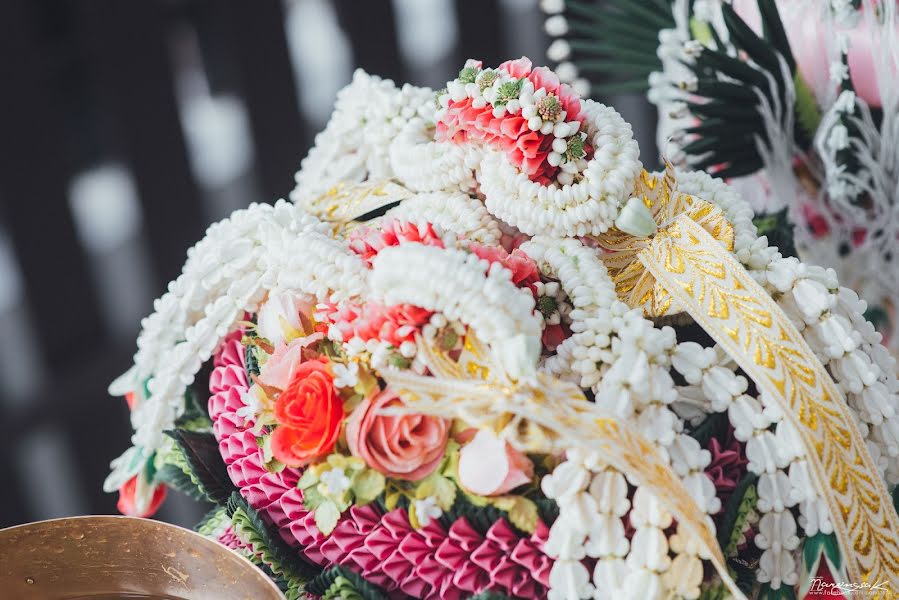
(793,101)
(484,354)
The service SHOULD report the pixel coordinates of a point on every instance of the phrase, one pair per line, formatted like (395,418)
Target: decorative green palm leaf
(733,81)
(614,42)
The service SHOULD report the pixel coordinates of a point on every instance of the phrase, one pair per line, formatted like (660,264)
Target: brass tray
(106,558)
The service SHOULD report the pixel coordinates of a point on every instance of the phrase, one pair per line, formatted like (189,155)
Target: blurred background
(125,129)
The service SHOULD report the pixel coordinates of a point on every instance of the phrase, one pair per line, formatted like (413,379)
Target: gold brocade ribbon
(688,264)
(634,284)
(544,414)
(346,202)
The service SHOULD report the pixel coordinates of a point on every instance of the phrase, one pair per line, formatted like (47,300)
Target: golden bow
(687,265)
(543,414)
(635,285)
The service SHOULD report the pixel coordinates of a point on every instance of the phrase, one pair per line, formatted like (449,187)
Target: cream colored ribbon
(688,266)
(744,320)
(547,415)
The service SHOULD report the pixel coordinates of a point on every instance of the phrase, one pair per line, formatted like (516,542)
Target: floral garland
(310,325)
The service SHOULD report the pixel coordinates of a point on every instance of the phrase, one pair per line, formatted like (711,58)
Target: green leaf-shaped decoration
(181,481)
(213,521)
(204,463)
(736,511)
(320,585)
(779,231)
(614,43)
(266,544)
(819,545)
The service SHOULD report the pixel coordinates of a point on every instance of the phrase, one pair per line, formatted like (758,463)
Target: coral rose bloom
(309,412)
(403,447)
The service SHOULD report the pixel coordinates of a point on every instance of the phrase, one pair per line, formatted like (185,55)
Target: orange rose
(309,412)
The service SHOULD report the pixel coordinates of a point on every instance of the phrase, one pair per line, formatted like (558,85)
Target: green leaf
(201,452)
(523,514)
(178,480)
(267,545)
(195,416)
(821,544)
(367,485)
(442,488)
(313,498)
(714,426)
(252,360)
(212,521)
(745,38)
(736,512)
(779,231)
(701,31)
(320,585)
(326,516)
(773,28)
(308,479)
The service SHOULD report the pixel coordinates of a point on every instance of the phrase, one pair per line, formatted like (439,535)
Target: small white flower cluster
(584,282)
(586,207)
(424,165)
(593,504)
(354,146)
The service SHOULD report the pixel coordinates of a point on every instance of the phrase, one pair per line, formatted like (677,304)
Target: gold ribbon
(544,414)
(346,202)
(634,284)
(688,264)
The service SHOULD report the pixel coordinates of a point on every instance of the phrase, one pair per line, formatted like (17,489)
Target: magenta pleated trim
(383,548)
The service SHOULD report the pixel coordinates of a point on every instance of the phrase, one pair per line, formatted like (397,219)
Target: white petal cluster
(594,502)
(354,146)
(831,319)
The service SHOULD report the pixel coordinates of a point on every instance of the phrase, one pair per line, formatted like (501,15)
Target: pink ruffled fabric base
(383,548)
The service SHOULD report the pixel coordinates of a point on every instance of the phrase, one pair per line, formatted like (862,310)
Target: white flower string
(459,213)
(368,115)
(468,289)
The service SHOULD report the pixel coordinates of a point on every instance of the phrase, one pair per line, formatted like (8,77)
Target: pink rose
(489,466)
(279,369)
(406,447)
